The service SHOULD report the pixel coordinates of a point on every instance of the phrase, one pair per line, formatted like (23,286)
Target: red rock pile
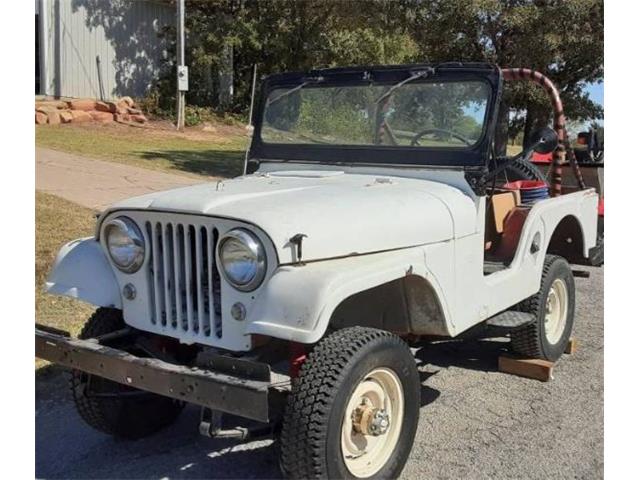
(55,112)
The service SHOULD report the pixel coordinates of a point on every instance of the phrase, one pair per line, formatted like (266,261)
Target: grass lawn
(217,152)
(513,149)
(57,222)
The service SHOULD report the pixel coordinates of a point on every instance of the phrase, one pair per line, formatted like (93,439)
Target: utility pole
(182,70)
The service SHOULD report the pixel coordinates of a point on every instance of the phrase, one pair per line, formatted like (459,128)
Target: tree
(564,39)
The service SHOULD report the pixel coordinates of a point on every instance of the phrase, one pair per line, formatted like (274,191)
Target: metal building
(100,48)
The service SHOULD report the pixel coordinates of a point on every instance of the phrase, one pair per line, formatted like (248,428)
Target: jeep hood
(341,214)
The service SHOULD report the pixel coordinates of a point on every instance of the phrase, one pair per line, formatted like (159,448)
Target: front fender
(82,271)
(298,301)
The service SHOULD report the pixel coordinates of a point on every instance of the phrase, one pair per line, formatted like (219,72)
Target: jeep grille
(184,282)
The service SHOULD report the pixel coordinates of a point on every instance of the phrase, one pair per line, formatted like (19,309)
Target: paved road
(97,184)
(475,422)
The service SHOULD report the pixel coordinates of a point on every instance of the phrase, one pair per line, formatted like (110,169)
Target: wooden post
(572,345)
(526,367)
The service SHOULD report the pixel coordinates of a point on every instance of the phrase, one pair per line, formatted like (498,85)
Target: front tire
(553,307)
(353,410)
(98,400)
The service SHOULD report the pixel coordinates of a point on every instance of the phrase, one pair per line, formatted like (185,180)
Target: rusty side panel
(423,306)
(406,305)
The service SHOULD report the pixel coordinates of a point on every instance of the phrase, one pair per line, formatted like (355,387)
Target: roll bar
(559,125)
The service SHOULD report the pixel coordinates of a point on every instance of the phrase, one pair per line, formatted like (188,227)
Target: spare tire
(522,169)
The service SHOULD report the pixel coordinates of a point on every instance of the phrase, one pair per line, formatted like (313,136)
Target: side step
(499,325)
(510,319)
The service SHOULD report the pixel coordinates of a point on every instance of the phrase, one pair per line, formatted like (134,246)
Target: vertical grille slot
(179,276)
(188,275)
(199,264)
(184,283)
(215,311)
(151,278)
(168,275)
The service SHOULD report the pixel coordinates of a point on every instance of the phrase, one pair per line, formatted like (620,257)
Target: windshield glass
(418,114)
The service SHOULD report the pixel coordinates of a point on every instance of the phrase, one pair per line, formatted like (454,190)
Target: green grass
(57,222)
(513,149)
(157,146)
(218,153)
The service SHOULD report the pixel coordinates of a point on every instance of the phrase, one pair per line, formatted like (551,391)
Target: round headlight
(125,244)
(243,260)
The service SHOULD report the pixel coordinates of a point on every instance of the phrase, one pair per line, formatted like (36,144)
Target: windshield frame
(473,156)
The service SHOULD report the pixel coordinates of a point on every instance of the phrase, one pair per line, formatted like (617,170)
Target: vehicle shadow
(480,355)
(428,394)
(67,448)
(216,163)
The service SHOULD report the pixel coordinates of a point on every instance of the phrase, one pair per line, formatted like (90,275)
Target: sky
(596,92)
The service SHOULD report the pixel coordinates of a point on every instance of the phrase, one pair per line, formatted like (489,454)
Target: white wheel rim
(557,306)
(365,454)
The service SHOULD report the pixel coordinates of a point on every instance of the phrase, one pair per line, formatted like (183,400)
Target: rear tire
(596,254)
(344,382)
(133,417)
(553,307)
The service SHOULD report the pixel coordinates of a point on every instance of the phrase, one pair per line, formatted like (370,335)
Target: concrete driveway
(474,423)
(97,184)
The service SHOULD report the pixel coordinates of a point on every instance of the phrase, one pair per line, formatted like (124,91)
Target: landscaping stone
(123,105)
(80,116)
(109,107)
(84,104)
(46,109)
(103,117)
(122,117)
(54,104)
(53,117)
(66,116)
(128,100)
(122,110)
(139,118)
(41,118)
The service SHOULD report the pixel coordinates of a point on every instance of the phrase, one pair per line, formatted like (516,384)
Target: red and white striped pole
(559,125)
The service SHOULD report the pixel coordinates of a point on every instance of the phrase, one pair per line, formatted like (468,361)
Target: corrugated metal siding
(123,34)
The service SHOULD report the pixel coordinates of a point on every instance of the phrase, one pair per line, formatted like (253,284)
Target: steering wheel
(415,141)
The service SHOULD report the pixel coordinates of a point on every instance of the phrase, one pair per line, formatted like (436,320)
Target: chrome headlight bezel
(131,231)
(251,245)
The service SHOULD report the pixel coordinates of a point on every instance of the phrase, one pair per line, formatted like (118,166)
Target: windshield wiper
(295,89)
(380,119)
(419,74)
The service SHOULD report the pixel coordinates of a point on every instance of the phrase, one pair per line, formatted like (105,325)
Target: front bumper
(244,393)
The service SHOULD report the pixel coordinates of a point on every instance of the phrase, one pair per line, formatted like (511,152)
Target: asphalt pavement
(475,422)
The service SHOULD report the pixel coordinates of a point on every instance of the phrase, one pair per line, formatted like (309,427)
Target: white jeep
(372,214)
